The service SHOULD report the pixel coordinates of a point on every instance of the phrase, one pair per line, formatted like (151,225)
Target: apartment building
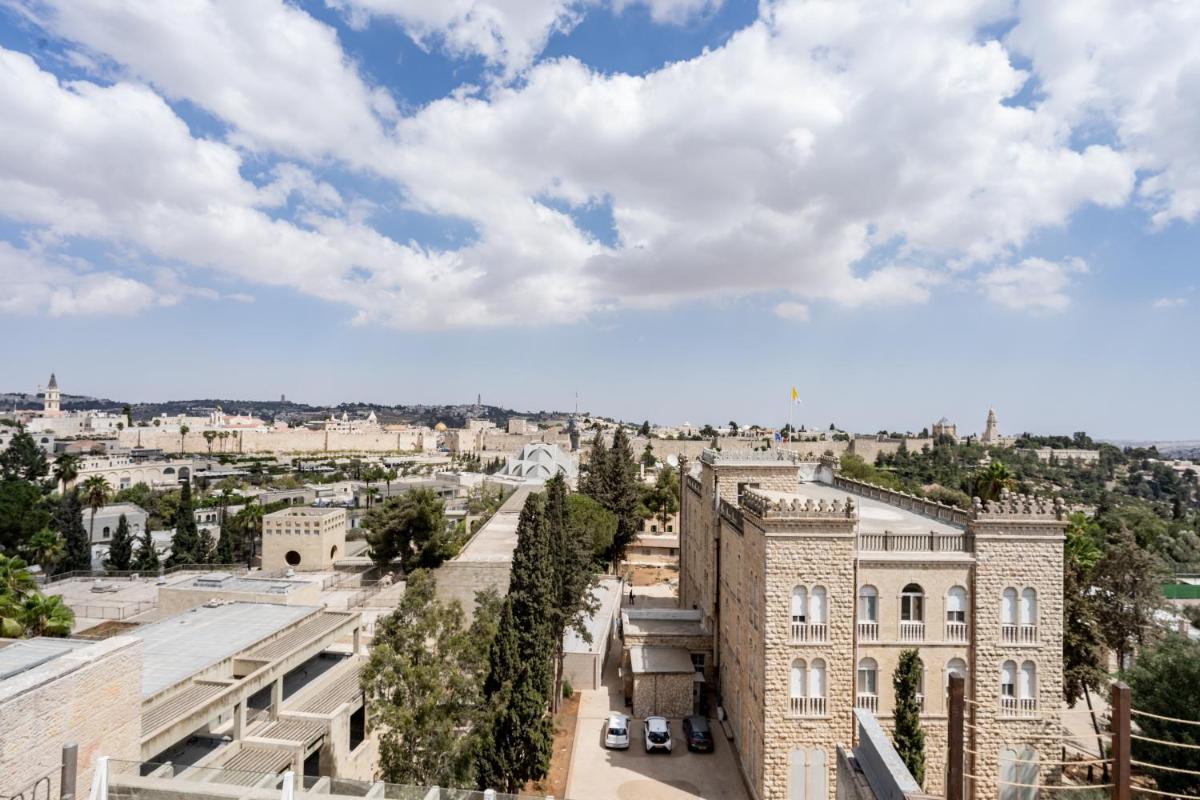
(813,585)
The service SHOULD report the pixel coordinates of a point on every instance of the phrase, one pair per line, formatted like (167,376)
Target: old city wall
(295,440)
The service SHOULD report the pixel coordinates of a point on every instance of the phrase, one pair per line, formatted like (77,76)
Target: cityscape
(599,400)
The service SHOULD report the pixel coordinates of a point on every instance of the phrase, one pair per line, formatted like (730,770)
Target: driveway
(633,774)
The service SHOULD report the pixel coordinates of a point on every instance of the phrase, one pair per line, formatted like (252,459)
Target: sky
(670,209)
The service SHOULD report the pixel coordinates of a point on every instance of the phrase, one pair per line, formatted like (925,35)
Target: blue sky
(677,209)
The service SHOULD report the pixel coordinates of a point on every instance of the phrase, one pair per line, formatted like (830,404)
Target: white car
(616,732)
(658,734)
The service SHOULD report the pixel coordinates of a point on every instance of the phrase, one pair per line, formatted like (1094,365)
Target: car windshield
(658,737)
(699,726)
(616,731)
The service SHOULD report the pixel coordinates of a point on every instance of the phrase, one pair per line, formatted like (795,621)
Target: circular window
(292,558)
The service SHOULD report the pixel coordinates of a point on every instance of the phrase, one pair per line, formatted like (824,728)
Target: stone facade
(756,534)
(664,694)
(303,538)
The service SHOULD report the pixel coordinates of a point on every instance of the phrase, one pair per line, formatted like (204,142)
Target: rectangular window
(698,662)
(358,727)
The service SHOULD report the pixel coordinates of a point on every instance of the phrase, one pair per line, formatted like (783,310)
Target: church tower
(52,402)
(991,433)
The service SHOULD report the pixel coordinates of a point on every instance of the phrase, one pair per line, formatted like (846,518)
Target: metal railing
(111,612)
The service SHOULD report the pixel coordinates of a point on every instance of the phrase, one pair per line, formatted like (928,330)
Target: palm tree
(96,492)
(15,580)
(46,616)
(208,437)
(45,548)
(66,469)
(371,492)
(389,475)
(992,481)
(183,431)
(251,520)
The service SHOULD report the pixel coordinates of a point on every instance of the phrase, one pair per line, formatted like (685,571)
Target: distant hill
(1186,449)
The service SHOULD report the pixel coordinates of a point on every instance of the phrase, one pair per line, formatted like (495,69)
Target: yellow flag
(795,394)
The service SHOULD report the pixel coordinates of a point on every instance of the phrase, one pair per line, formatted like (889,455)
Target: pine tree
(186,546)
(146,561)
(621,493)
(206,549)
(68,521)
(120,549)
(909,737)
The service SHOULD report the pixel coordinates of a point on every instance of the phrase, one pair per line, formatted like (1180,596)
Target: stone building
(303,538)
(991,431)
(944,427)
(813,584)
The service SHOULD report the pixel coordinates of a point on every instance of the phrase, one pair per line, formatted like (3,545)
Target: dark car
(698,736)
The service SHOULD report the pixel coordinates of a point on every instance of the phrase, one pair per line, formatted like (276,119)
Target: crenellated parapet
(1018,508)
(742,456)
(765,507)
(904,500)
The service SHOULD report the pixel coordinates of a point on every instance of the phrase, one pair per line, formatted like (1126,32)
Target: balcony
(1018,707)
(868,631)
(808,707)
(869,702)
(809,632)
(889,542)
(1019,634)
(912,631)
(956,631)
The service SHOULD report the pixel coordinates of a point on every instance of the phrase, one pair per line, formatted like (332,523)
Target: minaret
(52,403)
(990,433)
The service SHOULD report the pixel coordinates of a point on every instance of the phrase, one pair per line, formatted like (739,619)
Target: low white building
(101,530)
(539,461)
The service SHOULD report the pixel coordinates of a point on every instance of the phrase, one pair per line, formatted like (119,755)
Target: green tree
(1083,642)
(592,482)
(992,481)
(1165,680)
(183,432)
(66,469)
(120,549)
(186,545)
(422,685)
(146,560)
(23,512)
(1127,585)
(571,560)
(909,737)
(228,548)
(46,616)
(23,459)
(410,529)
(592,523)
(95,493)
(662,499)
(249,523)
(46,549)
(208,439)
(648,457)
(68,521)
(645,429)
(621,493)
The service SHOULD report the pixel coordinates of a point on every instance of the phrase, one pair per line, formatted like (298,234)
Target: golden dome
(441,426)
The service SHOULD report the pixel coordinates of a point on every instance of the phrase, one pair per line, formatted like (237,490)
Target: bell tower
(52,402)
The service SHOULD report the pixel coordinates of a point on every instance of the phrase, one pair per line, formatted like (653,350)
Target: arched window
(956,666)
(868,614)
(912,613)
(1027,681)
(817,614)
(1008,607)
(798,686)
(956,614)
(868,685)
(1008,679)
(1028,606)
(921,685)
(799,605)
(816,687)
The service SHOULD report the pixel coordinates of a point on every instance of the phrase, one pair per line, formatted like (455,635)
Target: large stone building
(303,538)
(812,585)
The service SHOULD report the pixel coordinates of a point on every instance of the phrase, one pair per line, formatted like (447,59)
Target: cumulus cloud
(797,312)
(30,284)
(857,153)
(1170,302)
(1034,284)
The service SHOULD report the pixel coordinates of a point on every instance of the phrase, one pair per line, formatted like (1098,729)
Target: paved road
(600,774)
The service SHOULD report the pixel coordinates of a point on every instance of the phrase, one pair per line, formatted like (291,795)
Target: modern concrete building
(812,585)
(223,587)
(583,660)
(303,538)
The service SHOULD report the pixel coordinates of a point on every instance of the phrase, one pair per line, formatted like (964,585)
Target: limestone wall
(667,695)
(91,696)
(293,440)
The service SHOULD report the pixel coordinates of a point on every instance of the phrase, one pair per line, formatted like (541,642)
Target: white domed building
(538,462)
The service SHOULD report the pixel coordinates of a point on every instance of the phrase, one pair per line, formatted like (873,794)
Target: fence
(111,612)
(125,575)
(44,787)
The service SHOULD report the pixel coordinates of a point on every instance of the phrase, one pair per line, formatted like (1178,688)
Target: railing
(803,632)
(903,500)
(692,483)
(731,514)
(956,631)
(40,789)
(868,701)
(1019,634)
(808,706)
(113,575)
(1018,706)
(868,631)
(912,631)
(920,702)
(888,542)
(113,612)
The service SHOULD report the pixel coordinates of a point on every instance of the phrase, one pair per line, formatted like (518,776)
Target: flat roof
(607,593)
(305,511)
(179,647)
(874,516)
(660,659)
(225,582)
(497,539)
(663,622)
(25,654)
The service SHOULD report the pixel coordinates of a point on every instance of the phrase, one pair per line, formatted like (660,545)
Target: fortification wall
(295,440)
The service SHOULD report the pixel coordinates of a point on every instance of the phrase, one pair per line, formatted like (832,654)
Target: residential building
(812,585)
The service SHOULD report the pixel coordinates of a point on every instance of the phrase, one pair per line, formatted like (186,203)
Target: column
(239,720)
(276,697)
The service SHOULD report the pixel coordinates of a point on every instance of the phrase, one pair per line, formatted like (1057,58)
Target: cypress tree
(186,545)
(909,737)
(621,493)
(594,481)
(227,549)
(120,550)
(146,561)
(68,521)
(520,738)
(570,557)
(531,590)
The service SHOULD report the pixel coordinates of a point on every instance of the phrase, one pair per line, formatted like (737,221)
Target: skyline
(677,208)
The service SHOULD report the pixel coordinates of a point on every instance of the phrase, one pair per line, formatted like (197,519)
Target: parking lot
(601,774)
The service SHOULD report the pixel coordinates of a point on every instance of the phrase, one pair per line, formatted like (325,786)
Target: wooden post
(1120,742)
(955,747)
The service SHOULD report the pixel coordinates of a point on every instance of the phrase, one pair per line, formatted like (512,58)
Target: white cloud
(1170,302)
(1034,284)
(29,284)
(673,12)
(797,312)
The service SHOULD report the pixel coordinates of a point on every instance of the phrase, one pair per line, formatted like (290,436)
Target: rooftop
(874,516)
(662,622)
(607,593)
(25,654)
(660,659)
(225,582)
(305,511)
(181,646)
(497,539)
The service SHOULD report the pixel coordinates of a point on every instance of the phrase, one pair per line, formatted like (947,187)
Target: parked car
(697,734)
(616,732)
(658,734)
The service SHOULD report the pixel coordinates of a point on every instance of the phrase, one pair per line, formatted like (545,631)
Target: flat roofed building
(178,597)
(303,538)
(824,581)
